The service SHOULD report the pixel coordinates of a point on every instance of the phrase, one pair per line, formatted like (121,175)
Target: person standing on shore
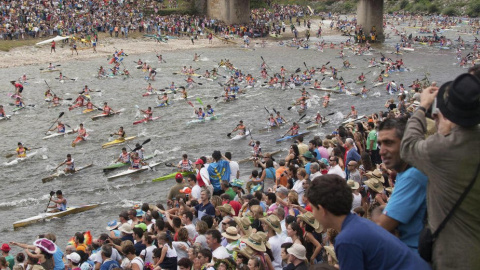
(52,49)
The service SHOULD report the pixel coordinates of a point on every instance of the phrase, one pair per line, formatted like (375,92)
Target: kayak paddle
(61,114)
(266,109)
(51,195)
(199,101)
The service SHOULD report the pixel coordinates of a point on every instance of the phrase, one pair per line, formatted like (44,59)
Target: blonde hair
(293,197)
(256,210)
(216,201)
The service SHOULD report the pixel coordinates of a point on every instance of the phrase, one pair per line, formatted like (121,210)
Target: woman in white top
(147,253)
(357,197)
(181,246)
(165,256)
(298,186)
(136,263)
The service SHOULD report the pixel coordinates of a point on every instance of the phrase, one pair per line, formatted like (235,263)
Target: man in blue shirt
(108,263)
(406,208)
(360,244)
(204,208)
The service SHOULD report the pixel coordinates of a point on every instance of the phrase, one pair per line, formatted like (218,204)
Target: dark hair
(272,197)
(188,215)
(138,231)
(300,138)
(399,124)
(298,231)
(204,159)
(258,195)
(359,211)
(145,207)
(215,235)
(254,173)
(182,235)
(192,177)
(371,125)
(367,162)
(160,224)
(128,249)
(79,236)
(83,256)
(149,237)
(208,219)
(314,142)
(295,150)
(206,253)
(332,193)
(216,155)
(225,196)
(253,202)
(286,246)
(176,222)
(185,262)
(20,257)
(334,158)
(269,163)
(228,155)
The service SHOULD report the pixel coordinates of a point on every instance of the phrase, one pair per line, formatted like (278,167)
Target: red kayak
(145,120)
(78,140)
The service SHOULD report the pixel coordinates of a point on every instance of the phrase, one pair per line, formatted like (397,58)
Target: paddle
(61,114)
(48,86)
(250,133)
(140,147)
(267,109)
(265,62)
(51,195)
(190,103)
(230,134)
(199,101)
(53,66)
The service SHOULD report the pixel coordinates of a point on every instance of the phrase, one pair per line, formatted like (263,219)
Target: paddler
(189,81)
(101,71)
(318,118)
(241,128)
(361,78)
(380,78)
(364,91)
(190,70)
(18,88)
(60,203)
(272,122)
(82,133)
(195,57)
(120,133)
(160,58)
(280,120)
(21,150)
(50,66)
(207,74)
(184,70)
(200,114)
(55,100)
(326,100)
(173,88)
(149,88)
(257,149)
(136,161)
(352,114)
(85,90)
(185,165)
(148,114)
(140,152)
(60,127)
(89,106)
(152,74)
(124,157)
(70,164)
(210,112)
(2,111)
(164,100)
(294,129)
(317,84)
(184,93)
(19,102)
(24,78)
(107,110)
(139,62)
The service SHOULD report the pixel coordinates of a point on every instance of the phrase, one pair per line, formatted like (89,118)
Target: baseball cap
(74,257)
(199,161)
(178,176)
(5,247)
(142,226)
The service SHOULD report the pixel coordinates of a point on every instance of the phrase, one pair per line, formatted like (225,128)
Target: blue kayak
(292,136)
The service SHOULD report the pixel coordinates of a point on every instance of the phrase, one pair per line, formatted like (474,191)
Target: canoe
(409,49)
(6,117)
(292,136)
(251,158)
(18,159)
(170,176)
(130,171)
(239,137)
(42,217)
(145,120)
(117,141)
(79,140)
(102,115)
(60,173)
(56,134)
(353,120)
(117,165)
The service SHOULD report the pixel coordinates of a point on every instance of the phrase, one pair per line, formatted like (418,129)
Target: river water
(25,195)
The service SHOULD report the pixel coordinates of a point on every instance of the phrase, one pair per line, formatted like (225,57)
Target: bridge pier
(370,14)
(229,11)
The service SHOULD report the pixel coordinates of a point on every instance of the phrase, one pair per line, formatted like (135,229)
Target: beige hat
(331,251)
(226,208)
(298,251)
(243,224)
(254,241)
(374,184)
(273,222)
(308,218)
(126,228)
(353,185)
(264,237)
(389,189)
(245,251)
(231,233)
(377,174)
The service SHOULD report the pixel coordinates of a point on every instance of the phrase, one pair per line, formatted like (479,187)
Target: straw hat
(243,224)
(331,251)
(377,174)
(353,185)
(273,222)
(298,251)
(264,237)
(374,184)
(254,241)
(231,233)
(126,228)
(310,220)
(226,208)
(245,251)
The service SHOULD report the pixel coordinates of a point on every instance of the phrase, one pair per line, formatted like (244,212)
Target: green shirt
(11,261)
(372,137)
(231,193)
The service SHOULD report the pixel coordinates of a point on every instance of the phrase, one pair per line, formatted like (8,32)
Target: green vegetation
(473,9)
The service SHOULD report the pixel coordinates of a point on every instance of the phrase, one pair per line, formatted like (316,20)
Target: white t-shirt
(192,232)
(196,190)
(149,254)
(202,240)
(97,257)
(138,261)
(220,253)
(276,243)
(234,168)
(298,187)
(337,170)
(357,200)
(171,253)
(177,245)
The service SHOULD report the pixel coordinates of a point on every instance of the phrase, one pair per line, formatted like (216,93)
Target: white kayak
(132,171)
(17,160)
(41,217)
(353,119)
(6,117)
(56,134)
(57,38)
(239,137)
(61,172)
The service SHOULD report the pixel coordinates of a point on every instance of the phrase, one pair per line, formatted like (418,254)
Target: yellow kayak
(117,141)
(88,110)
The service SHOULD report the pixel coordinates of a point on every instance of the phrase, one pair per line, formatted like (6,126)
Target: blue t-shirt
(109,265)
(58,259)
(207,209)
(362,244)
(408,205)
(307,168)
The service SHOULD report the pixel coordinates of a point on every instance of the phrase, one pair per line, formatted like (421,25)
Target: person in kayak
(21,150)
(200,114)
(124,157)
(69,163)
(2,111)
(120,133)
(352,114)
(82,133)
(318,118)
(56,100)
(272,122)
(148,114)
(78,102)
(60,127)
(257,149)
(85,91)
(280,120)
(164,101)
(107,110)
(241,128)
(60,203)
(19,102)
(185,165)
(140,152)
(210,111)
(136,162)
(294,129)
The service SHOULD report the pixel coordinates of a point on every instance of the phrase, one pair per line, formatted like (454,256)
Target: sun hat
(199,161)
(264,237)
(298,251)
(308,218)
(377,174)
(112,225)
(5,247)
(273,222)
(74,257)
(231,233)
(245,250)
(178,176)
(374,184)
(126,228)
(142,226)
(353,185)
(140,212)
(255,241)
(45,245)
(186,190)
(308,155)
(331,251)
(236,183)
(324,161)
(244,224)
(227,208)
(459,100)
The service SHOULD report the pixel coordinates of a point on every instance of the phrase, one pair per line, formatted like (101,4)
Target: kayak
(150,94)
(18,109)
(334,90)
(60,173)
(132,171)
(164,105)
(208,118)
(19,159)
(116,165)
(6,117)
(88,110)
(313,126)
(251,158)
(170,176)
(117,141)
(378,84)
(79,140)
(353,120)
(102,115)
(146,120)
(360,82)
(292,136)
(56,134)
(239,137)
(50,70)
(43,216)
